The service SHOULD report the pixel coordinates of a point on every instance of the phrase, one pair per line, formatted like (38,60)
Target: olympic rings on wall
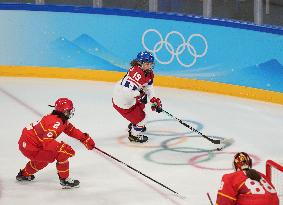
(173,49)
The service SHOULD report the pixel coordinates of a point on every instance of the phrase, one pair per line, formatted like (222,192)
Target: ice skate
(21,177)
(69,183)
(138,138)
(130,126)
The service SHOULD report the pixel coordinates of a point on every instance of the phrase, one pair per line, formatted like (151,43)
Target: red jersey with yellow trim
(42,134)
(128,89)
(237,189)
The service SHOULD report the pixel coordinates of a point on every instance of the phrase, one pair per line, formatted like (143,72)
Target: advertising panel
(189,47)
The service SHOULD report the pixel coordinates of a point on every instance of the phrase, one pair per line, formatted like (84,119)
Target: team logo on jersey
(175,45)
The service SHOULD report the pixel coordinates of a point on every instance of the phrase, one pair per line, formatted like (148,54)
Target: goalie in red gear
(246,186)
(131,94)
(38,143)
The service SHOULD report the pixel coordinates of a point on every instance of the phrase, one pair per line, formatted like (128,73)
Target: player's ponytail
(135,62)
(253,174)
(60,115)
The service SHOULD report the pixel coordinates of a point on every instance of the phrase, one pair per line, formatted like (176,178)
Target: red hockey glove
(87,141)
(156,104)
(65,148)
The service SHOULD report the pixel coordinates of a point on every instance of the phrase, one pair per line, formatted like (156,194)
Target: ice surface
(174,156)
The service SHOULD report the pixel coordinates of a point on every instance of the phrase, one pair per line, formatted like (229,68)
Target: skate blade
(69,187)
(138,142)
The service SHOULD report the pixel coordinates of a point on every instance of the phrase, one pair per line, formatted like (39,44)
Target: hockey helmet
(242,161)
(65,106)
(145,57)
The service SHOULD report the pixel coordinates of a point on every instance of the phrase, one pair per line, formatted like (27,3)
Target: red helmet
(65,106)
(242,161)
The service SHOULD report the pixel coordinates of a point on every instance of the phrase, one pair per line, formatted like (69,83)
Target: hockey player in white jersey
(131,94)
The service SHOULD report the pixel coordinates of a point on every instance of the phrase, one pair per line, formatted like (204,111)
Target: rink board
(164,81)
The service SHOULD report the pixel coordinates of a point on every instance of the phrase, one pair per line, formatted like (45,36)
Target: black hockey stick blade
(225,143)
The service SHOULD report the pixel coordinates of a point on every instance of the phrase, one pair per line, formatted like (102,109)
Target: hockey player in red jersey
(131,94)
(38,143)
(246,186)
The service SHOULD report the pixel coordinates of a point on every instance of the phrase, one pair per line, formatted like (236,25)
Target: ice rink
(174,156)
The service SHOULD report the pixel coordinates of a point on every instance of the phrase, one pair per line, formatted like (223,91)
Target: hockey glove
(87,141)
(143,97)
(66,149)
(156,104)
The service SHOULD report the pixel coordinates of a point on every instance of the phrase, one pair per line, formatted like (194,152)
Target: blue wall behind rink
(104,39)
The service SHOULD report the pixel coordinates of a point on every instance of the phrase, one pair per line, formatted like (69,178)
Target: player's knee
(62,157)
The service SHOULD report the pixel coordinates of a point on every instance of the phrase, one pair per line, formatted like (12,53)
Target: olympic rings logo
(170,147)
(175,51)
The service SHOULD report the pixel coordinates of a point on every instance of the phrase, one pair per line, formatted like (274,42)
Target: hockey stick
(208,195)
(193,129)
(109,155)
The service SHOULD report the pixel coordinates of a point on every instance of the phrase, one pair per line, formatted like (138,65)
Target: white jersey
(128,89)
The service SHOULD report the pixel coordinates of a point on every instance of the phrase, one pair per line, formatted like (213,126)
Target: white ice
(255,126)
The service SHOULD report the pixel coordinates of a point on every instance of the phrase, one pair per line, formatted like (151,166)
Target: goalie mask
(65,106)
(242,161)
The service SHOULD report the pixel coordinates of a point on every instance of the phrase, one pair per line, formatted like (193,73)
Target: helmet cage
(69,113)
